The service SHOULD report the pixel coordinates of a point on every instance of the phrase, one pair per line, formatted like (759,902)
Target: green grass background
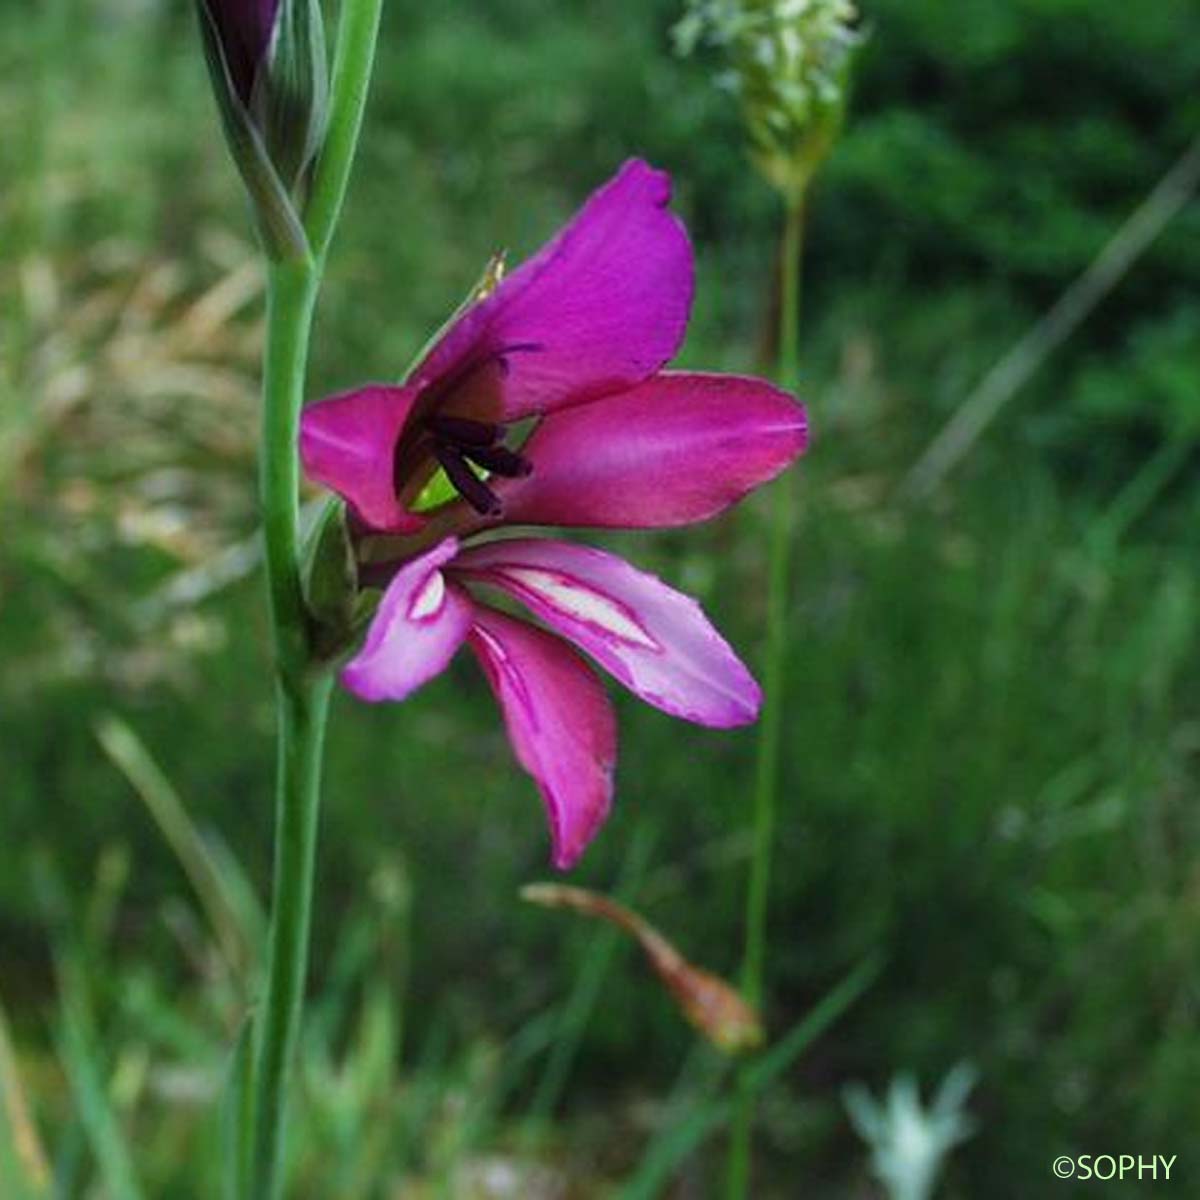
(993,729)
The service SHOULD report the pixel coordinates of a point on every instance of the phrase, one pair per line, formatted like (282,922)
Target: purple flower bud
(267,61)
(244,28)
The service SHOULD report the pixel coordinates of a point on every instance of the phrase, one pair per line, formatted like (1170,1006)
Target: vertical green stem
(302,691)
(775,675)
(783,501)
(302,715)
(302,700)
(291,298)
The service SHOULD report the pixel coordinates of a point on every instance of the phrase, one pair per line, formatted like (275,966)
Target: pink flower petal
(655,640)
(347,443)
(601,307)
(559,721)
(676,449)
(420,623)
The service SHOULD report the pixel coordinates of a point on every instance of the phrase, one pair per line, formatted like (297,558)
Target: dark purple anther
(500,460)
(472,489)
(465,432)
(460,444)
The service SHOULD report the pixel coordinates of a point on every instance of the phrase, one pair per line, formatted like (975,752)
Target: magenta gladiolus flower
(573,342)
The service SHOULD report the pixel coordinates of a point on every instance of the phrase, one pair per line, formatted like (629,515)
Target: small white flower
(909,1144)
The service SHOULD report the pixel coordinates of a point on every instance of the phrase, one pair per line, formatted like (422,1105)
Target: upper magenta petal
(348,442)
(559,721)
(600,308)
(676,449)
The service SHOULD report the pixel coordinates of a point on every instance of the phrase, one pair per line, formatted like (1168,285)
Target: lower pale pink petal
(559,721)
(675,449)
(599,308)
(420,623)
(347,443)
(655,640)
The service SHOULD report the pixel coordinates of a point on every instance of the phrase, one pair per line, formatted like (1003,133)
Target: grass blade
(671,1147)
(82,1064)
(220,902)
(235,1118)
(23,1171)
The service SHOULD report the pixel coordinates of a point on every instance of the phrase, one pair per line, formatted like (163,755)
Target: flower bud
(268,65)
(712,1006)
(789,64)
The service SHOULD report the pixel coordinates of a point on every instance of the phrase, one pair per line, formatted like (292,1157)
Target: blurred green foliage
(994,730)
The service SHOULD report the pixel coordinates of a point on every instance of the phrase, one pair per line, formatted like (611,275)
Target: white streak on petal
(419,624)
(574,599)
(655,640)
(429,599)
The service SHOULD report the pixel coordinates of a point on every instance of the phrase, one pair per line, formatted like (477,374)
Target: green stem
(302,690)
(302,699)
(302,715)
(766,779)
(291,299)
(767,765)
(358,34)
